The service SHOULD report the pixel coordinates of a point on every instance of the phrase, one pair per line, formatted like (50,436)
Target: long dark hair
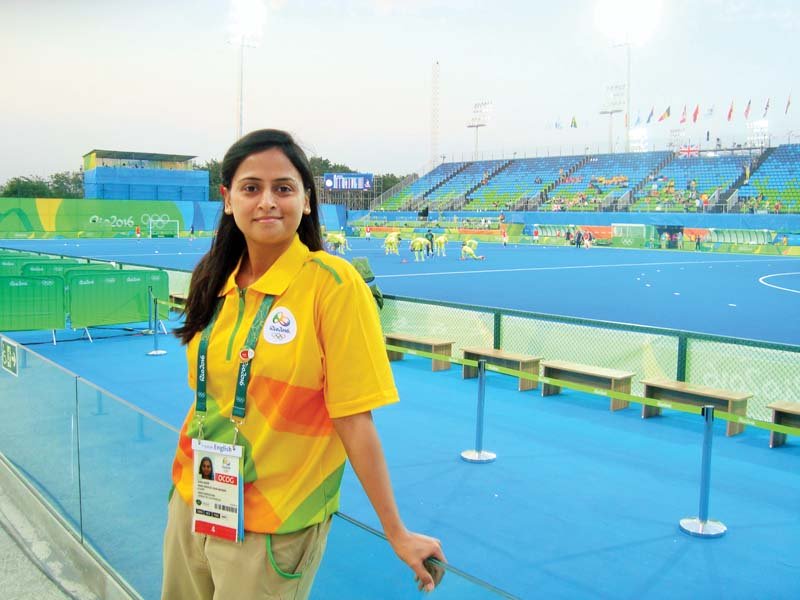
(215,267)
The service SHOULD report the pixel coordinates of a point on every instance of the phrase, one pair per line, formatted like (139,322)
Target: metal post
(150,325)
(100,409)
(479,455)
(140,428)
(155,351)
(700,526)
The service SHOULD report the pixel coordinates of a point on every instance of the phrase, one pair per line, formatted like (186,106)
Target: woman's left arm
(363,446)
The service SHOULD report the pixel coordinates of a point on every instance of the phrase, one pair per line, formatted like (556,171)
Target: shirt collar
(279,275)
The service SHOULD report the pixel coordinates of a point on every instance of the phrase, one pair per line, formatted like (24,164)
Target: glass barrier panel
(126,461)
(360,565)
(38,432)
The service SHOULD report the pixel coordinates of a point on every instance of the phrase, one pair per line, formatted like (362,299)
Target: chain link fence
(768,371)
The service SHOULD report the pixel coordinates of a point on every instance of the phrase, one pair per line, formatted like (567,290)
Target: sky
(353,79)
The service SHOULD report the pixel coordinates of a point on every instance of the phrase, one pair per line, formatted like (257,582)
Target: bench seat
(432,345)
(599,377)
(700,395)
(783,413)
(508,360)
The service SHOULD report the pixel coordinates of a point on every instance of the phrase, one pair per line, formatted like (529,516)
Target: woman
(206,470)
(287,360)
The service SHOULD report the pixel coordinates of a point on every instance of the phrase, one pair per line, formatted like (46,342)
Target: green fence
(31,303)
(768,371)
(106,297)
(58,267)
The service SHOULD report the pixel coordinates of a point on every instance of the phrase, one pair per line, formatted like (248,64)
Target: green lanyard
(245,357)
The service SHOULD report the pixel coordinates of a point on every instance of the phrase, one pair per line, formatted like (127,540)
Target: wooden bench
(599,377)
(783,413)
(178,299)
(432,345)
(509,360)
(700,395)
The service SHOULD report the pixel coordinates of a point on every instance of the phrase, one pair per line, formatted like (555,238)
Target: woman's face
(267,200)
(205,468)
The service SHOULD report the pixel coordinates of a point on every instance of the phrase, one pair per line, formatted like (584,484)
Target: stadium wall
(122,183)
(71,217)
(780,222)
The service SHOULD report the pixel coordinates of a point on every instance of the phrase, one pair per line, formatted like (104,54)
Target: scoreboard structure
(356,190)
(122,175)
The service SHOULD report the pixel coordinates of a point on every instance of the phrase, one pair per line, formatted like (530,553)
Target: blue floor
(581,502)
(745,296)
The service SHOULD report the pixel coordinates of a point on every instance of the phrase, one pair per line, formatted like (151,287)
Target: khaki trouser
(199,567)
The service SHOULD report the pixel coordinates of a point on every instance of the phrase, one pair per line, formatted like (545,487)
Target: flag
(664,115)
(696,113)
(788,102)
(766,109)
(683,114)
(652,110)
(747,110)
(574,123)
(687,151)
(558,124)
(730,111)
(638,119)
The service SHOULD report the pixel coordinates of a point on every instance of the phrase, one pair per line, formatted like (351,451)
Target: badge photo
(281,326)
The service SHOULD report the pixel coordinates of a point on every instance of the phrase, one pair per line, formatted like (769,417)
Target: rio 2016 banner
(71,217)
(361,182)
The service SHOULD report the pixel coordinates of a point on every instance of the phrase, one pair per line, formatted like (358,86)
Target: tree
(389,180)
(320,166)
(66,184)
(214,168)
(26,187)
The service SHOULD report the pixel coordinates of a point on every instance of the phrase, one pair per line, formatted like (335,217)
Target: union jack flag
(687,151)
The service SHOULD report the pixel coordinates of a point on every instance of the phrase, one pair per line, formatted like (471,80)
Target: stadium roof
(139,155)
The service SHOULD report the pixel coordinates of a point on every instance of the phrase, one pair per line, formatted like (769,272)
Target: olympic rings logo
(156,220)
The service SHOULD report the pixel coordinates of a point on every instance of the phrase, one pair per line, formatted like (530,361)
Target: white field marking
(563,268)
(762,280)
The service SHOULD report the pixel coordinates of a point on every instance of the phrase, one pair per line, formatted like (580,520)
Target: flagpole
(628,102)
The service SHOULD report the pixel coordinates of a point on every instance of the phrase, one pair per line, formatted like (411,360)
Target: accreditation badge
(218,491)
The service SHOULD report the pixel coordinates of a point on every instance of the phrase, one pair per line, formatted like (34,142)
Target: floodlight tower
(480,118)
(245,26)
(613,105)
(627,46)
(435,114)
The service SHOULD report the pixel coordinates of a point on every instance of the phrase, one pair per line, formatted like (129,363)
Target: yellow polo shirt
(319,356)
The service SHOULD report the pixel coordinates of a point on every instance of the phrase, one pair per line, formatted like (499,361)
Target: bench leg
(529,384)
(650,411)
(394,355)
(441,365)
(469,372)
(736,428)
(776,439)
(549,389)
(620,386)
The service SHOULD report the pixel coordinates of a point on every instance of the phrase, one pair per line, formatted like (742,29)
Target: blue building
(119,175)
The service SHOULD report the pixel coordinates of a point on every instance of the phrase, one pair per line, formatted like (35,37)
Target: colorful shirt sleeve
(358,377)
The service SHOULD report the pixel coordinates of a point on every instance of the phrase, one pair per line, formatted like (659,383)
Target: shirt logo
(281,326)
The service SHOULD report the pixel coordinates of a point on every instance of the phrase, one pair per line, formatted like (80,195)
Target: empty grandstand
(523,180)
(604,179)
(766,180)
(687,179)
(775,185)
(421,186)
(455,190)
